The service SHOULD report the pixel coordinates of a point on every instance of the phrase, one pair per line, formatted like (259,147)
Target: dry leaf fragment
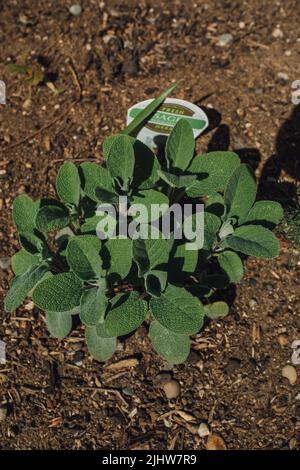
(215,442)
(186,416)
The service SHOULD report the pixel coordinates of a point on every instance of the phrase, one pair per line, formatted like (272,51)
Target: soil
(52,394)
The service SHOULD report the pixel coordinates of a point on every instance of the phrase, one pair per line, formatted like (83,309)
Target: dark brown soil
(112,55)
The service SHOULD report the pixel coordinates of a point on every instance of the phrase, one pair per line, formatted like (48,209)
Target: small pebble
(75,10)
(171,389)
(225,40)
(283,340)
(203,430)
(215,442)
(283,77)
(277,33)
(128,391)
(252,303)
(4,263)
(290,373)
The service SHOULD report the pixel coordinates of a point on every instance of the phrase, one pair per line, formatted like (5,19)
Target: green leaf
(216,309)
(214,170)
(254,240)
(104,195)
(182,262)
(212,224)
(150,253)
(155,282)
(83,256)
(266,213)
(175,181)
(178,310)
(120,159)
(21,286)
(116,254)
(23,260)
(146,166)
(68,184)
(24,213)
(52,217)
(59,324)
(240,192)
(232,265)
(127,314)
(34,243)
(147,198)
(171,346)
(143,116)
(58,293)
(94,176)
(180,146)
(99,347)
(215,204)
(93,305)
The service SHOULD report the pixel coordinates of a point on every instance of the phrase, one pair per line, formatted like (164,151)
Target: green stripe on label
(169,119)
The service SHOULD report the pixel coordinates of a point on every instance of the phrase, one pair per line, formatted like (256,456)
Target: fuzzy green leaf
(175,181)
(68,184)
(116,254)
(146,166)
(127,314)
(254,240)
(178,310)
(22,260)
(212,224)
(83,256)
(147,198)
(155,282)
(99,347)
(93,305)
(21,286)
(120,159)
(180,146)
(240,192)
(216,309)
(214,170)
(171,346)
(24,213)
(142,117)
(215,204)
(266,213)
(232,265)
(104,195)
(59,324)
(150,253)
(33,243)
(94,176)
(52,217)
(182,262)
(58,293)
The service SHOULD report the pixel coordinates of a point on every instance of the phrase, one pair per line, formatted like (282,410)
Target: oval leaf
(99,347)
(178,311)
(180,146)
(170,346)
(127,314)
(83,256)
(68,184)
(232,265)
(254,240)
(59,324)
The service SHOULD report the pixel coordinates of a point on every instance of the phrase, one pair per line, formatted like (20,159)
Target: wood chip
(215,442)
(290,373)
(123,364)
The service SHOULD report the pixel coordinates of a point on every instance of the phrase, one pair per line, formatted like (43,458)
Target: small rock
(283,77)
(128,391)
(171,389)
(3,413)
(290,373)
(277,33)
(252,303)
(283,340)
(203,430)
(4,263)
(215,442)
(225,40)
(75,10)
